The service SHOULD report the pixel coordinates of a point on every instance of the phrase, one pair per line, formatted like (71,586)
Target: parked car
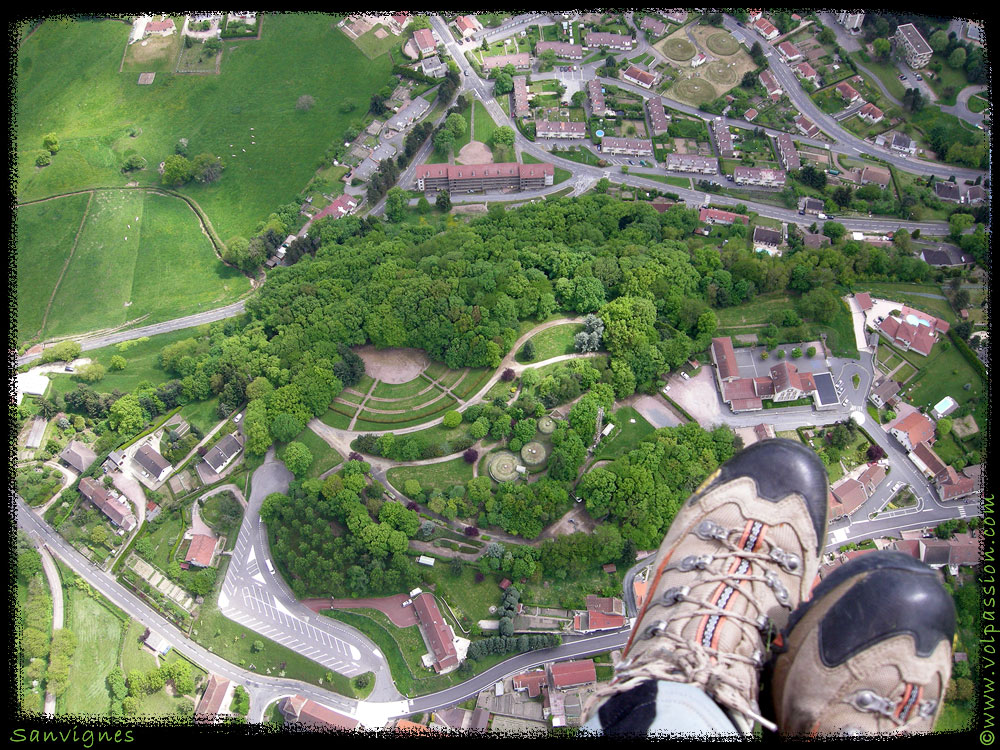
(69,368)
(408,602)
(237,418)
(919,77)
(685,376)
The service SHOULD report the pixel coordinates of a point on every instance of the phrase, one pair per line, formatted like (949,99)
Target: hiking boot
(741,554)
(870,653)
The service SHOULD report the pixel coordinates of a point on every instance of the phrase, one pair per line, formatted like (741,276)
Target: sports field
(138,254)
(68,84)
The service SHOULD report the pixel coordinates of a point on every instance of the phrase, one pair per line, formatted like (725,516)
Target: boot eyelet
(673,595)
(656,629)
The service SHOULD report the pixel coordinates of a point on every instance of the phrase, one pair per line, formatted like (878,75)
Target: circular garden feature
(503,467)
(533,454)
(723,44)
(678,49)
(546,425)
(695,90)
(720,72)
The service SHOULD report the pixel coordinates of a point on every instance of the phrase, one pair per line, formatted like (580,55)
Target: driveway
(656,411)
(699,397)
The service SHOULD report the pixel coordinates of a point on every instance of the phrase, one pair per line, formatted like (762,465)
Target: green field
(627,436)
(69,84)
(98,632)
(45,237)
(374,47)
(324,457)
(157,268)
(977,104)
(402,390)
(484,125)
(553,342)
(442,476)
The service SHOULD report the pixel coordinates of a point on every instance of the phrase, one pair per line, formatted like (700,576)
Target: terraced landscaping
(723,44)
(678,48)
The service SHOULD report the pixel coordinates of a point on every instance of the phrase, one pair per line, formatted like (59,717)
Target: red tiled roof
(806,70)
(930,459)
(609,605)
(466,23)
(313,713)
(638,74)
(530,681)
(155,26)
(424,39)
(436,631)
(789,50)
(342,206)
(211,700)
(201,550)
(717,215)
(746,404)
(850,495)
(725,357)
(572,673)
(847,91)
(917,427)
(864,300)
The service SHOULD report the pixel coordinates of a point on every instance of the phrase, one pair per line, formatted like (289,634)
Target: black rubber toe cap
(893,594)
(781,467)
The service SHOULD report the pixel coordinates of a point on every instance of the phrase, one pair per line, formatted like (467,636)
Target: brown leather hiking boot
(741,554)
(870,653)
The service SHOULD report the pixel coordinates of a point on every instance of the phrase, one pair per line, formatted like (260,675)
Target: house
(948,191)
(563,50)
(815,240)
(953,486)
(851,20)
(659,120)
(789,383)
(913,430)
(754,15)
(806,71)
(407,728)
(783,383)
(611,41)
(750,115)
(592,621)
(974,32)
(884,393)
(530,682)
(789,51)
(521,97)
(806,126)
(78,456)
(724,357)
(762,236)
(109,503)
(156,642)
(409,114)
(163,27)
(654,25)
(639,76)
(342,206)
(219,456)
(876,176)
(570,674)
(717,216)
(156,466)
(915,48)
(758,176)
(521,61)
(896,142)
(691,163)
(460,719)
(630,146)
(298,710)
(913,330)
(770,84)
(723,138)
(201,551)
(864,300)
(846,497)
(433,66)
(596,93)
(677,15)
(115,462)
(812,206)
(870,113)
(467,26)
(424,39)
(847,92)
(547,129)
(437,633)
(214,700)
(945,256)
(473,178)
(975,194)
(699,59)
(609,605)
(661,204)
(765,28)
(787,152)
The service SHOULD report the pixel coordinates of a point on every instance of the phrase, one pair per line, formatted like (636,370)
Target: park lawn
(69,84)
(464,139)
(408,404)
(134,656)
(462,593)
(944,374)
(629,434)
(45,232)
(401,390)
(364,385)
(143,363)
(977,104)
(98,632)
(202,414)
(408,419)
(579,154)
(683,182)
(351,397)
(887,73)
(164,537)
(336,419)
(437,435)
(372,46)
(442,476)
(949,76)
(484,125)
(158,268)
(766,308)
(452,378)
(324,456)
(553,342)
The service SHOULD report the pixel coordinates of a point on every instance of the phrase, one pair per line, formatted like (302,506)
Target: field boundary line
(72,251)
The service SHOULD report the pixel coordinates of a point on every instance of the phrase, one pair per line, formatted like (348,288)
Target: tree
(452,419)
(207,168)
(938,40)
(92,373)
(176,170)
(457,124)
(882,47)
(944,426)
(50,143)
(443,201)
(298,459)
(118,362)
(470,455)
(811,351)
(305,103)
(834,230)
(957,58)
(285,427)
(503,84)
(395,204)
(504,135)
(444,140)
(749,80)
(528,351)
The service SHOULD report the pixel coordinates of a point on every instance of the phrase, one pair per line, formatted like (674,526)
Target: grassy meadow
(68,84)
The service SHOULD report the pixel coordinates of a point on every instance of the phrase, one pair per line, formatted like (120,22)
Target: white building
(851,20)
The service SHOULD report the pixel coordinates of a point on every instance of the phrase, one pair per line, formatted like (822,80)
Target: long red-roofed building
(530,681)
(567,674)
(212,699)
(717,216)
(341,206)
(299,710)
(437,633)
(483,177)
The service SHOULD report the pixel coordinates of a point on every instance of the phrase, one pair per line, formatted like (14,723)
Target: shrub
(470,455)
(507,376)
